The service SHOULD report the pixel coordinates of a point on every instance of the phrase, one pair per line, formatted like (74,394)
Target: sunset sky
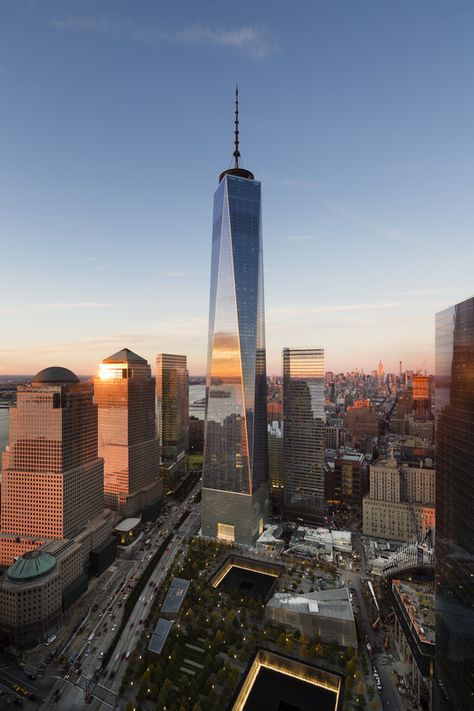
(117,119)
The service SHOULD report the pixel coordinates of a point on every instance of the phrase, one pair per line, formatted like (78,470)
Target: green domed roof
(31,565)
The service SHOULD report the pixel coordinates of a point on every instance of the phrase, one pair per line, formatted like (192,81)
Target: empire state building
(235,470)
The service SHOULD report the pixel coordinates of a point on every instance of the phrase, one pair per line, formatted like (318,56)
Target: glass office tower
(455,507)
(235,472)
(303,432)
(124,391)
(172,405)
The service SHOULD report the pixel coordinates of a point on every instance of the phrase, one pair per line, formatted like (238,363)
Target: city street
(92,645)
(389,697)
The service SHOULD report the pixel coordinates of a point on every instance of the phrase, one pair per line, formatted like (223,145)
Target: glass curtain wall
(455,507)
(235,452)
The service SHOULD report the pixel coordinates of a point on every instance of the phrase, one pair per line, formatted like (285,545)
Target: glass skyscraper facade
(303,431)
(235,472)
(124,392)
(172,405)
(455,507)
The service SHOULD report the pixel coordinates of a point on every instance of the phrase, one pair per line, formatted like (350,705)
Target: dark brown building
(350,477)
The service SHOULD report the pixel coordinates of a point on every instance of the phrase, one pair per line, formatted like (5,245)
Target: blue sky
(116,119)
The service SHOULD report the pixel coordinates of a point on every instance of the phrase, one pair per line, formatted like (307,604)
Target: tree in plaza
(365,669)
(164,694)
(156,673)
(197,707)
(349,653)
(268,631)
(229,684)
(304,650)
(289,646)
(351,665)
(222,675)
(218,663)
(146,676)
(340,662)
(243,654)
(183,685)
(208,665)
(319,649)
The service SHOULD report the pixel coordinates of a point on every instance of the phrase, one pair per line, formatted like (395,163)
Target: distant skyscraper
(52,478)
(303,431)
(455,505)
(422,395)
(275,463)
(380,371)
(235,475)
(172,409)
(125,394)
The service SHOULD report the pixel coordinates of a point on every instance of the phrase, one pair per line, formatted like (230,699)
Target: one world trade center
(235,470)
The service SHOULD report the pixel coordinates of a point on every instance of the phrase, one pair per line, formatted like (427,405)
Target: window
(226,532)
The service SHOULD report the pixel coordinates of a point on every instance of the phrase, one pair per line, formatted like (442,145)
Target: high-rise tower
(303,432)
(235,472)
(454,403)
(125,394)
(52,478)
(380,371)
(172,410)
(54,528)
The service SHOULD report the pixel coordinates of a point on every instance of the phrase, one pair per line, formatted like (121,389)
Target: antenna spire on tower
(236,133)
(236,168)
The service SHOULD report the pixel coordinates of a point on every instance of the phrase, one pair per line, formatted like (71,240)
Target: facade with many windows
(303,432)
(124,392)
(235,470)
(454,404)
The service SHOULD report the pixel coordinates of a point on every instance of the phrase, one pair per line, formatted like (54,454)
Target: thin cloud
(250,39)
(86,23)
(391,232)
(176,274)
(61,306)
(414,292)
(307,309)
(83,355)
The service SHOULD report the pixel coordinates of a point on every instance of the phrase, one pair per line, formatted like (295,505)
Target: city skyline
(264,497)
(348,201)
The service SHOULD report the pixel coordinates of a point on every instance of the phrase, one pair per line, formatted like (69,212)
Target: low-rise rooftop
(419,605)
(175,596)
(128,524)
(325,603)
